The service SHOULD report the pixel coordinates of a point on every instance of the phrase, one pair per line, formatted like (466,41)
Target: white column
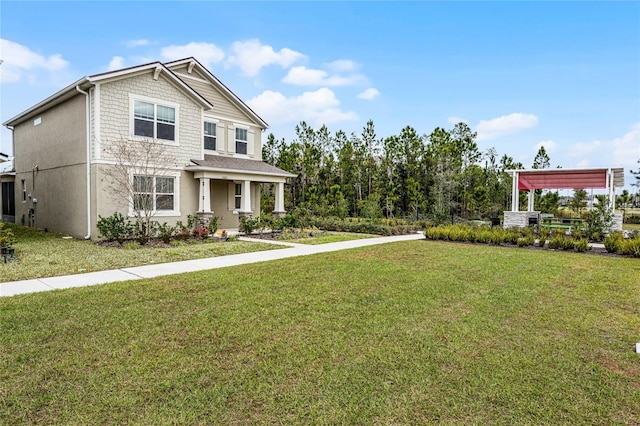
(204,201)
(279,207)
(530,204)
(612,190)
(246,196)
(515,198)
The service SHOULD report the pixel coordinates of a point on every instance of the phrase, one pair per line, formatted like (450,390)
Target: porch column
(246,196)
(204,201)
(515,198)
(279,204)
(530,204)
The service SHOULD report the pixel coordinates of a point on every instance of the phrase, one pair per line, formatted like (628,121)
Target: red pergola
(529,180)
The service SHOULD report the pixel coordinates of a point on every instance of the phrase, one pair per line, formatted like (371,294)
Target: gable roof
(193,63)
(88,81)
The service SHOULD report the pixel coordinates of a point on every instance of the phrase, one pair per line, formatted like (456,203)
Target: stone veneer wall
(518,219)
(617,221)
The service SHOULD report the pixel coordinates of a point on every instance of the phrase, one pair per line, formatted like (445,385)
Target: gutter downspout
(88,124)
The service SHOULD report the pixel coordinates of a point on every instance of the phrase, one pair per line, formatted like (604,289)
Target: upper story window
(154,120)
(241,141)
(210,136)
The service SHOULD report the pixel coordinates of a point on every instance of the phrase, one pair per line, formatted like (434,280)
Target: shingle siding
(116,116)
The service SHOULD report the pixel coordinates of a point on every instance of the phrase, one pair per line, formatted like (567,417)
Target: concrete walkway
(150,271)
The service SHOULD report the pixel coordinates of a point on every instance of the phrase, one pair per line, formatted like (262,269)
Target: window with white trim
(24,190)
(153,194)
(210,136)
(238,196)
(154,120)
(241,141)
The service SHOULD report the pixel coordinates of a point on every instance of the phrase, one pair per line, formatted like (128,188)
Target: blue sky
(522,74)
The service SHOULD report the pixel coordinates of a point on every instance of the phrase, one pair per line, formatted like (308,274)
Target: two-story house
(62,149)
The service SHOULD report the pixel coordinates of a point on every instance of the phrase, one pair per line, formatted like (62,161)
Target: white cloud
(369,94)
(206,53)
(251,56)
(136,43)
(584,163)
(505,125)
(342,65)
(20,61)
(455,120)
(549,146)
(626,149)
(303,76)
(318,107)
(116,63)
(583,148)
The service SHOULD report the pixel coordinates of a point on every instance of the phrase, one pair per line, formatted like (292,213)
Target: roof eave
(51,101)
(198,168)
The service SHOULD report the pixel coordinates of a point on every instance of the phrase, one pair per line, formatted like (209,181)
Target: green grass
(324,237)
(631,227)
(46,254)
(417,332)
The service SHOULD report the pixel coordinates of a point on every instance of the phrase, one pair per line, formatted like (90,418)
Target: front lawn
(46,254)
(417,332)
(322,237)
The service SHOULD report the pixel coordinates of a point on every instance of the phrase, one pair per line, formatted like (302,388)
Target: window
(24,190)
(241,141)
(154,121)
(238,200)
(209,136)
(158,197)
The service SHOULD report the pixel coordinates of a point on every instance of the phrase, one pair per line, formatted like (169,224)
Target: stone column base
(279,214)
(203,219)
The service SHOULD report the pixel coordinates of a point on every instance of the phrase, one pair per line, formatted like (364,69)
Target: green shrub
(613,243)
(526,241)
(165,232)
(212,226)
(543,235)
(559,242)
(115,227)
(631,247)
(7,237)
(248,225)
(632,219)
(581,245)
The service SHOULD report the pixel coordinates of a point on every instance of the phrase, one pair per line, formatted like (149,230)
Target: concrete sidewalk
(150,271)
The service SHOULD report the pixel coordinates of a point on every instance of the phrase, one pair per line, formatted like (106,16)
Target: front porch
(229,188)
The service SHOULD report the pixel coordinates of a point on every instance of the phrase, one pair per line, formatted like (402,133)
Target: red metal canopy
(562,179)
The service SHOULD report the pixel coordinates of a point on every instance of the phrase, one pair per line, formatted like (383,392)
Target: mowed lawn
(406,333)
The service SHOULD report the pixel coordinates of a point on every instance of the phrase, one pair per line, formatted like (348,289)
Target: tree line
(440,176)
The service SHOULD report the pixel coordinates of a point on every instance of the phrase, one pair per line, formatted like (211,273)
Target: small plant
(613,243)
(7,238)
(631,247)
(581,245)
(200,233)
(166,232)
(212,226)
(526,241)
(131,245)
(247,225)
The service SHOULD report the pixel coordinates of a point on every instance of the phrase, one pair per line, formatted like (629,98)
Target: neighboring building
(7,191)
(62,149)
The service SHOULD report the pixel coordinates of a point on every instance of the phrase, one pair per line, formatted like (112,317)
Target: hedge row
(632,219)
(616,243)
(363,226)
(527,237)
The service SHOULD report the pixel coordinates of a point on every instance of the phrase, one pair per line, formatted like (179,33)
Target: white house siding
(116,115)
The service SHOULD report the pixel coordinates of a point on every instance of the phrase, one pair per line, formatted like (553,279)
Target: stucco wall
(51,158)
